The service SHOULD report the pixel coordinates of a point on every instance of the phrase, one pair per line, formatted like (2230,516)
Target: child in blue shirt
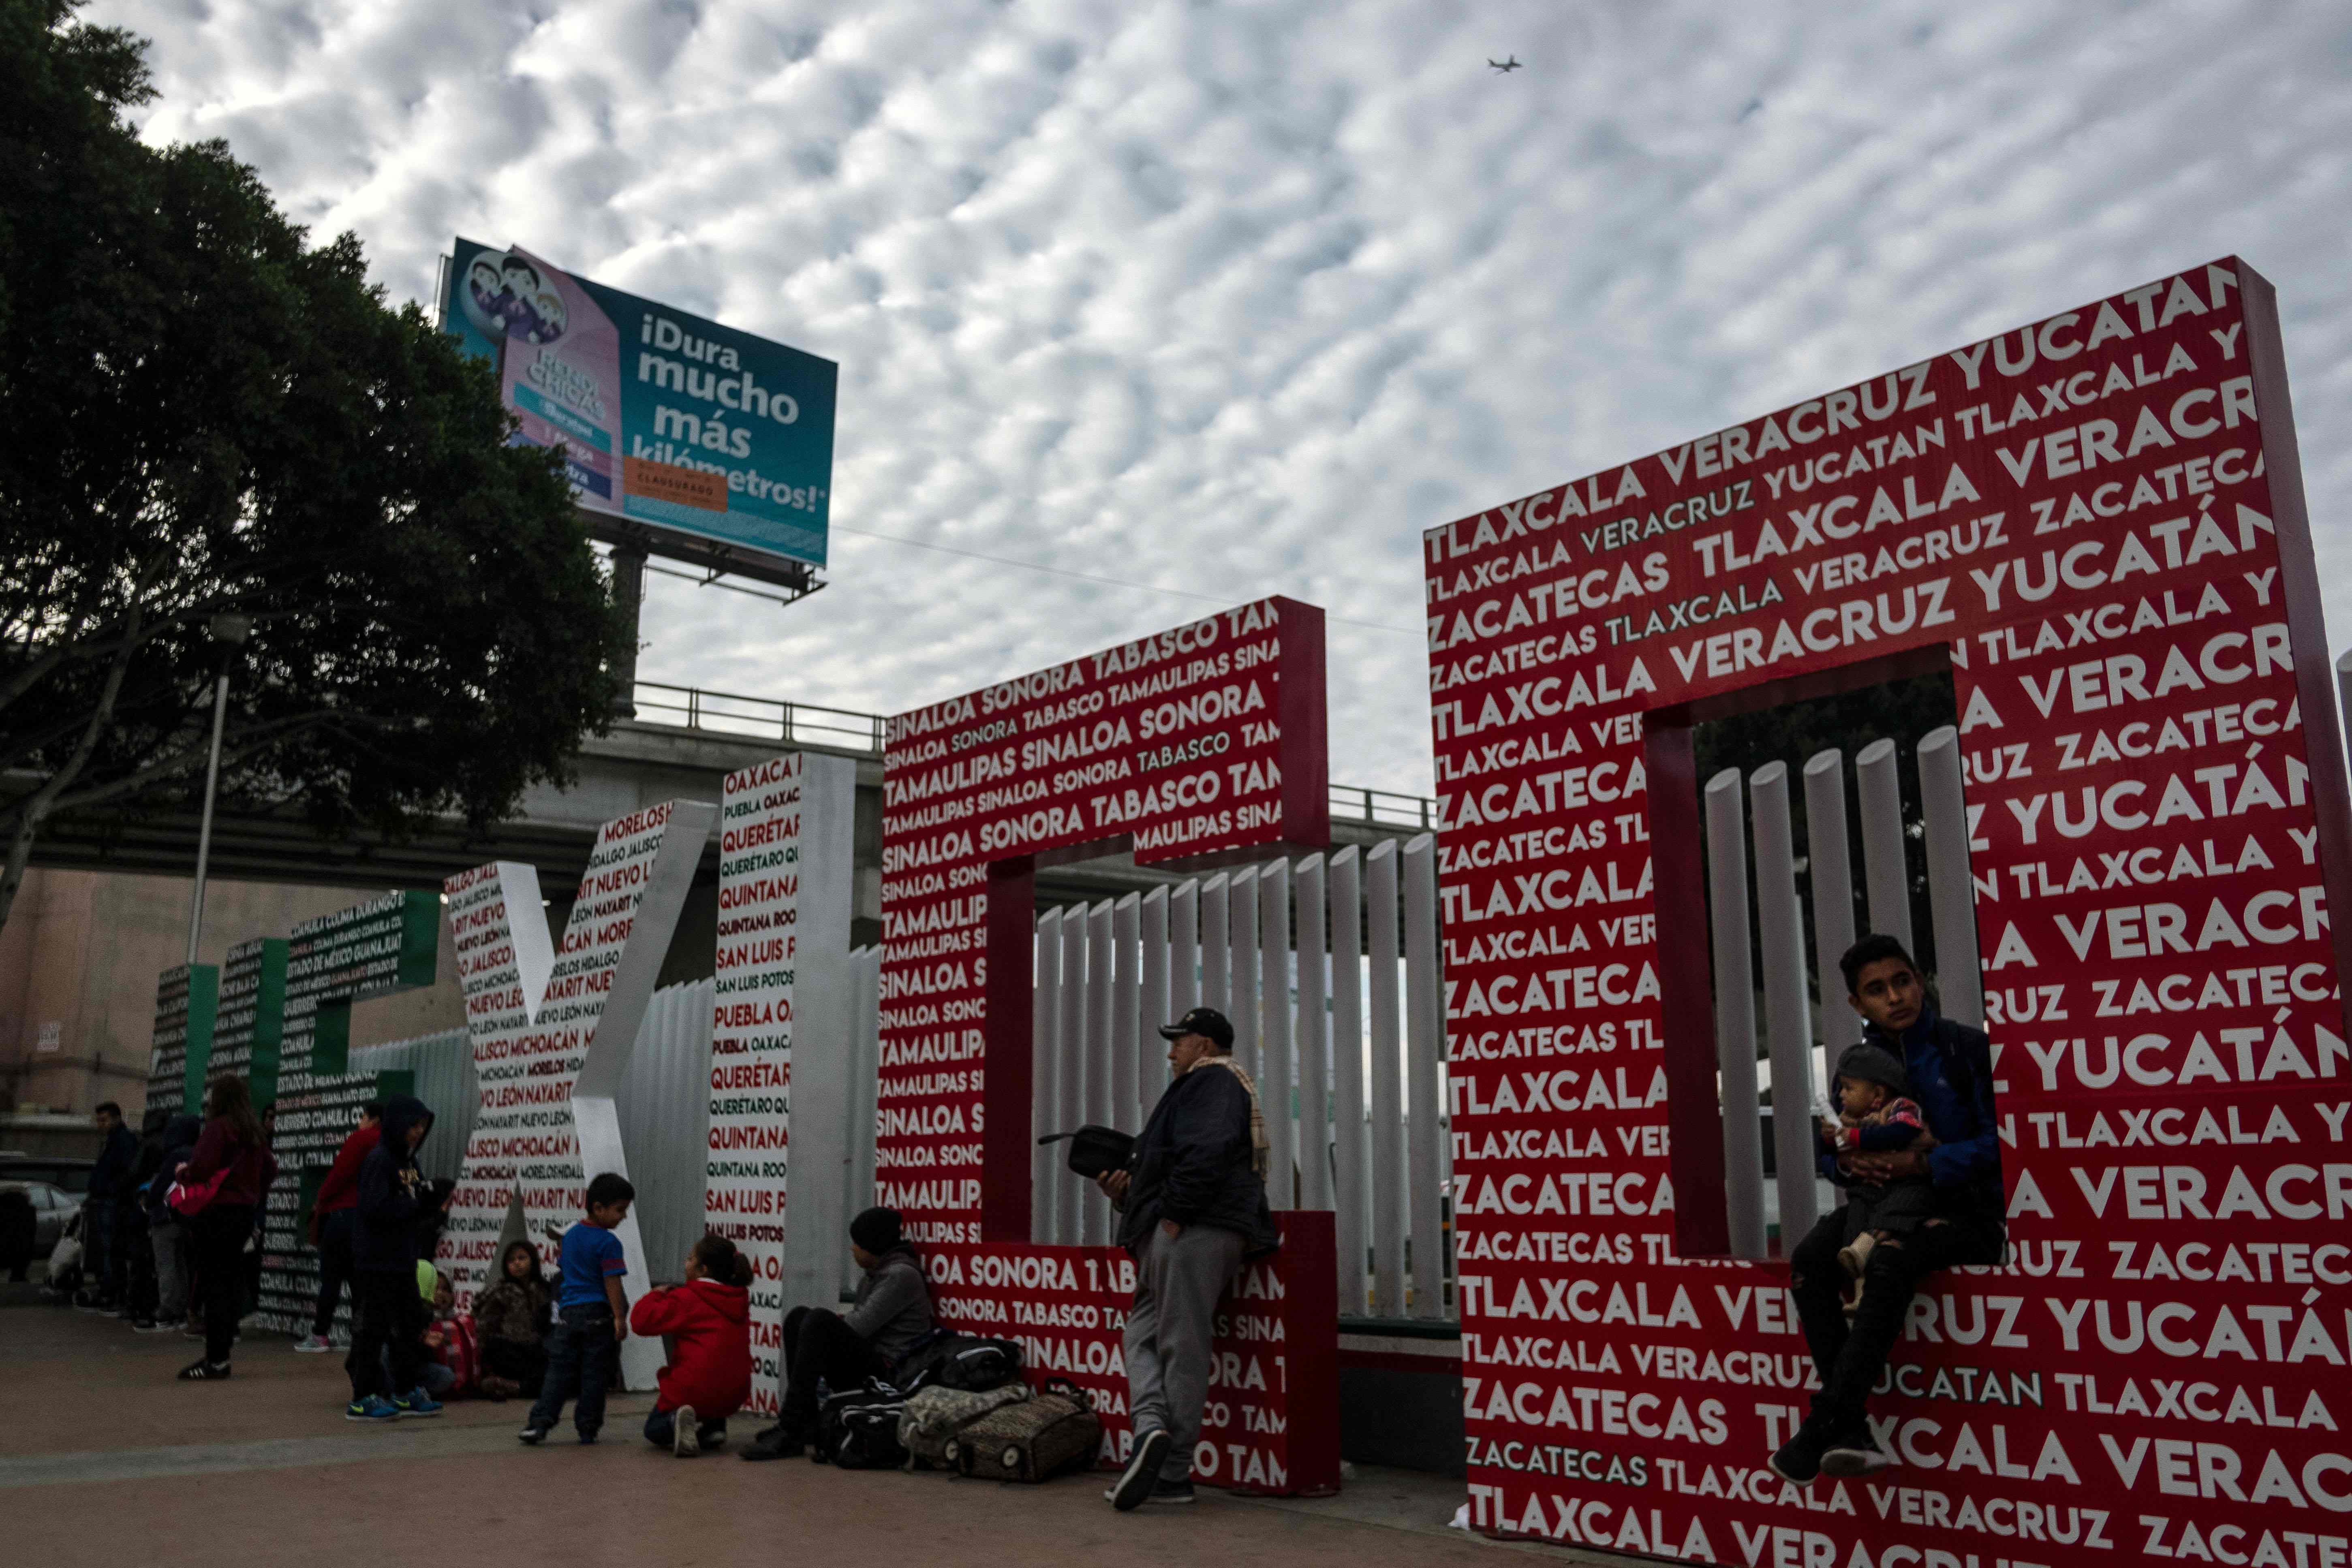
(592,1315)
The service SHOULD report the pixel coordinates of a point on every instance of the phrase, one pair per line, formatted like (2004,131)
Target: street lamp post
(230,631)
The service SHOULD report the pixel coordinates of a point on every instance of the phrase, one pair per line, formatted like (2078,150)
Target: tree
(205,415)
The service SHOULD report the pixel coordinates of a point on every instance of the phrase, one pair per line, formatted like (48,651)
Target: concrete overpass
(682,744)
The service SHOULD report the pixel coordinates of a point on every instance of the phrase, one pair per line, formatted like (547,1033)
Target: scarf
(1261,1159)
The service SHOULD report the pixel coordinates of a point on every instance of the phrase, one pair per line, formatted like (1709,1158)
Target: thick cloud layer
(1237,300)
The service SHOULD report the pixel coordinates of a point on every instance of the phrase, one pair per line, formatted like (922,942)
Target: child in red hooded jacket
(708,1319)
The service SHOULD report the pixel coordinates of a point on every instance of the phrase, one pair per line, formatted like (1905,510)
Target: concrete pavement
(102,1454)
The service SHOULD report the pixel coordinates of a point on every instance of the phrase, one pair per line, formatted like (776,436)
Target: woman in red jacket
(232,1152)
(708,1319)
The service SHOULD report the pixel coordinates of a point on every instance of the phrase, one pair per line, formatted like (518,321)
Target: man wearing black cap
(891,1310)
(1193,1204)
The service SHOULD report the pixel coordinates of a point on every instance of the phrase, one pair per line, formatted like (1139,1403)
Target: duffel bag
(1030,1441)
(933,1415)
(958,1361)
(859,1431)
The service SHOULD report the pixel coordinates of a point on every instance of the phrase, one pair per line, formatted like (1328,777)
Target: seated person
(1873,1117)
(510,1323)
(1948,1069)
(453,1359)
(444,1359)
(708,1320)
(891,1311)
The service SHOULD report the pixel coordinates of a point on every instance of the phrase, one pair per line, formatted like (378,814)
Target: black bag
(1093,1150)
(947,1360)
(859,1430)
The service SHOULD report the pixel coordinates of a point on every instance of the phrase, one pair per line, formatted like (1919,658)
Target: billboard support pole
(628,601)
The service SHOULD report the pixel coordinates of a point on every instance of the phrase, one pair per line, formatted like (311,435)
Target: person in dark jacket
(390,1312)
(334,1215)
(167,1230)
(109,1184)
(131,1236)
(1948,1069)
(1193,1206)
(890,1312)
(232,1150)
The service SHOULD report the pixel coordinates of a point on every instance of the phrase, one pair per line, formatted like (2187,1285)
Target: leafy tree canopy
(206,415)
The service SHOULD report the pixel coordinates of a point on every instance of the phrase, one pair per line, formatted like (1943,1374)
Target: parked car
(33,1215)
(58,1170)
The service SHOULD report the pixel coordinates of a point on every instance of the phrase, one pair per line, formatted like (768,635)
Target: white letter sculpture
(553,1030)
(780,1038)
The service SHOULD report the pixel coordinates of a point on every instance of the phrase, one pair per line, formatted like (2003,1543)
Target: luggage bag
(932,1417)
(1030,1441)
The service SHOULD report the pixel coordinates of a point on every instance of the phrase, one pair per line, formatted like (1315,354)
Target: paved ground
(103,1453)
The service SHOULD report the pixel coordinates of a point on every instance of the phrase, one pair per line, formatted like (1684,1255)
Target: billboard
(666,420)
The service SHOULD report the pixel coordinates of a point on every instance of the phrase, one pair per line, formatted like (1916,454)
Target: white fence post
(1735,1014)
(1275,1031)
(1152,1008)
(1348,1109)
(1241,910)
(1388,1095)
(1881,789)
(1044,1094)
(1951,894)
(1425,1032)
(1787,1021)
(1314,1038)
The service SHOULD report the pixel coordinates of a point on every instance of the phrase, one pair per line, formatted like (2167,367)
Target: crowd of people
(168,1235)
(159,1260)
(1192,1201)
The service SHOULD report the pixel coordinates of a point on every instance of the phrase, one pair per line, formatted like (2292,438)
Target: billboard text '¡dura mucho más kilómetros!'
(665,417)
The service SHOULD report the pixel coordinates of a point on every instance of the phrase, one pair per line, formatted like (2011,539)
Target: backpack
(931,1419)
(957,1361)
(859,1430)
(1031,1439)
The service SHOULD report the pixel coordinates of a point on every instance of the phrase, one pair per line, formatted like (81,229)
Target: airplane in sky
(1506,66)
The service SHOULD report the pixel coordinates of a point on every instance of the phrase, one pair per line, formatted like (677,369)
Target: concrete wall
(81,951)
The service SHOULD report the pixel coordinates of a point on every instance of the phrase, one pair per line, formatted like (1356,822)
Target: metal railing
(772,718)
(1383,808)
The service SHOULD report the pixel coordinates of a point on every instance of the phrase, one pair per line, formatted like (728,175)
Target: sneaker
(532,1435)
(191,1330)
(1799,1458)
(374,1407)
(312,1344)
(587,1439)
(203,1371)
(686,1443)
(148,1325)
(1141,1476)
(416,1402)
(1854,1453)
(1171,1493)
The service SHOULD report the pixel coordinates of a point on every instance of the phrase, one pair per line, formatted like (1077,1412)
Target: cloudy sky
(1230,299)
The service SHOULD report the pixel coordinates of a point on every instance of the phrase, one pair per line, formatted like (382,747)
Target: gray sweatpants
(1168,1331)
